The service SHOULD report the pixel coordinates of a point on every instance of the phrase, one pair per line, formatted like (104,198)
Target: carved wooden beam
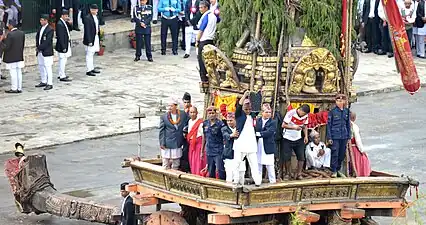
(37,194)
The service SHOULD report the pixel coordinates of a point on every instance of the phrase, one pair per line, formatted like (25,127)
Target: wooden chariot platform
(380,195)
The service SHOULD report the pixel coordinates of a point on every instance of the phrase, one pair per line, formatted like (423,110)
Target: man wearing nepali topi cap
(91,39)
(171,134)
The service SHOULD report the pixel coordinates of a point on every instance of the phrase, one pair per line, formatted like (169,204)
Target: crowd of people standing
(220,147)
(374,28)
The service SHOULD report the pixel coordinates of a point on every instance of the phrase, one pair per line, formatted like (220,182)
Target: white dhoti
(63,58)
(171,158)
(266,159)
(190,34)
(234,174)
(312,159)
(15,70)
(90,52)
(45,67)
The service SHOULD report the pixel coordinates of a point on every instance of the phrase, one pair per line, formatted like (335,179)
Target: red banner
(401,47)
(344,22)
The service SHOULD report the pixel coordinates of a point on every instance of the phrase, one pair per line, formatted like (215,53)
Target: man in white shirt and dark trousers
(127,207)
(44,45)
(91,39)
(294,122)
(206,35)
(63,44)
(12,44)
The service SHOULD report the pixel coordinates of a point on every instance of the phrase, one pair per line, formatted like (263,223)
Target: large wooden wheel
(164,217)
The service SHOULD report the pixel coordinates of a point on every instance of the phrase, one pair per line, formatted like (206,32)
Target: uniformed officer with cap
(142,17)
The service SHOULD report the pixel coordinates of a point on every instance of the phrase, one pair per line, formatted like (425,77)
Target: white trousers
(420,45)
(233,173)
(190,34)
(252,160)
(62,65)
(271,172)
(16,78)
(45,67)
(155,9)
(171,163)
(89,61)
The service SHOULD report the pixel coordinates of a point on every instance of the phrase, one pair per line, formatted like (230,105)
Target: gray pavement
(391,128)
(91,107)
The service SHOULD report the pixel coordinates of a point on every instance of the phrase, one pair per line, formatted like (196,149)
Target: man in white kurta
(317,154)
(246,146)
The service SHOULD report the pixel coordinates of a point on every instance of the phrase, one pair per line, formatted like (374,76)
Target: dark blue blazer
(338,124)
(268,134)
(241,117)
(145,13)
(228,151)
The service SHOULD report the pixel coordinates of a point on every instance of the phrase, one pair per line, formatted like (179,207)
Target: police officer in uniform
(142,17)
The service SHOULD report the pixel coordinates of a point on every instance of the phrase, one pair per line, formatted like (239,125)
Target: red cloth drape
(401,47)
(344,22)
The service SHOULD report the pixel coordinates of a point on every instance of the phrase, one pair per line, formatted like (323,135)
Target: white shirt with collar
(41,33)
(372,7)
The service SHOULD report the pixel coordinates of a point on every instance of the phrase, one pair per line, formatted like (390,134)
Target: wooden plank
(307,217)
(352,213)
(218,218)
(145,199)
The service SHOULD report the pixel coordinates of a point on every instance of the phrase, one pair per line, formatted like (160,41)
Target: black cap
(93,6)
(44,16)
(123,186)
(186,96)
(65,12)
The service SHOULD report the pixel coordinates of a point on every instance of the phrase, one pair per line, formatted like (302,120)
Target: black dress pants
(372,34)
(146,40)
(203,71)
(181,28)
(171,24)
(386,41)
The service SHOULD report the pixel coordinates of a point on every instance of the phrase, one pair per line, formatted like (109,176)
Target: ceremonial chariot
(288,66)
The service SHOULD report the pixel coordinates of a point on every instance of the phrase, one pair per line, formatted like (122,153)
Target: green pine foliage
(320,18)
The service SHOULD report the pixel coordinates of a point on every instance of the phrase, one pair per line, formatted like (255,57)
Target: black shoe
(90,73)
(95,71)
(66,79)
(150,60)
(76,29)
(367,51)
(390,54)
(380,52)
(154,22)
(12,91)
(137,58)
(186,56)
(163,52)
(2,77)
(41,85)
(48,87)
(193,44)
(175,53)
(62,78)
(19,91)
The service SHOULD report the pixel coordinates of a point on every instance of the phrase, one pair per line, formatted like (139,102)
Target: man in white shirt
(408,17)
(91,39)
(206,35)
(127,207)
(44,44)
(317,154)
(294,122)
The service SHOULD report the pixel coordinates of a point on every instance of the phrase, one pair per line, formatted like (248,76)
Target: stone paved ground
(92,107)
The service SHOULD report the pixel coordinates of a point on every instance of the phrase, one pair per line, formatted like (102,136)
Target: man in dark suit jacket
(12,43)
(171,135)
(59,5)
(266,129)
(63,44)
(192,16)
(127,207)
(371,21)
(91,38)
(44,52)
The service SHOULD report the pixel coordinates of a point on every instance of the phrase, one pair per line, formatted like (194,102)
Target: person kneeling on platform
(317,153)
